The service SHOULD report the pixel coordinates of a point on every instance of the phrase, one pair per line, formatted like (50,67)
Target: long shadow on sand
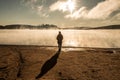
(49,64)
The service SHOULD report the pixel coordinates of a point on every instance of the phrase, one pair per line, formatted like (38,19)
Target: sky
(63,13)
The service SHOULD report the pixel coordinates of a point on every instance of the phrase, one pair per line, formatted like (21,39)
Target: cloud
(81,13)
(63,5)
(41,11)
(37,7)
(58,6)
(116,17)
(29,2)
(102,10)
(72,10)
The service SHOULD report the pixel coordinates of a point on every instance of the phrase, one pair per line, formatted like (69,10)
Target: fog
(77,38)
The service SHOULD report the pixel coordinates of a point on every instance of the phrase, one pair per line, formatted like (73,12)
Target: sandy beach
(25,63)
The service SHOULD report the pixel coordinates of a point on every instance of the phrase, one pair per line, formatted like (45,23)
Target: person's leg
(60,45)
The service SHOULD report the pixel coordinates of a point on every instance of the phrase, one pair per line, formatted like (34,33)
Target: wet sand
(72,63)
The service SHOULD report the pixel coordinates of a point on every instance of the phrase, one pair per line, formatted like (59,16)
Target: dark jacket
(59,38)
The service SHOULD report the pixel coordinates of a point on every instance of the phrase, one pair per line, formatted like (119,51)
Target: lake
(76,38)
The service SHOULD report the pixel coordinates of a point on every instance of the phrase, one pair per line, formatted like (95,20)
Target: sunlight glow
(69,5)
(71,43)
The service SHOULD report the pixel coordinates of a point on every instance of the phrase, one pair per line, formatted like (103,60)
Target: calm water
(78,38)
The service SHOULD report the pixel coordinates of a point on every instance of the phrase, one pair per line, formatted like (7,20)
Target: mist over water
(77,38)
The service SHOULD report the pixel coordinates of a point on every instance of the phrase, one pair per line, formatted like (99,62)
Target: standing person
(59,40)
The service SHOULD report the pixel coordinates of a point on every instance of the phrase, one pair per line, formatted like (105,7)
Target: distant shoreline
(74,47)
(55,27)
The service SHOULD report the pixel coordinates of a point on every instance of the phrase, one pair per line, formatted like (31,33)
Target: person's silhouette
(49,64)
(59,40)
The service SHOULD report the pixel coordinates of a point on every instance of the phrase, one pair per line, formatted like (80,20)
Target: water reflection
(79,38)
(71,43)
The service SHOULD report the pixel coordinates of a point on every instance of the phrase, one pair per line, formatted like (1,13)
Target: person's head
(59,32)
